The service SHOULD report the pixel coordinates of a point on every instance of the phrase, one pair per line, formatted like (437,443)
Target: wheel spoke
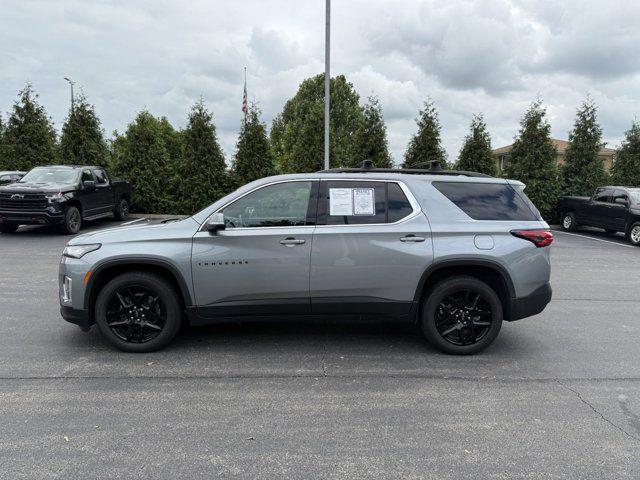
(152,326)
(448,331)
(118,323)
(122,301)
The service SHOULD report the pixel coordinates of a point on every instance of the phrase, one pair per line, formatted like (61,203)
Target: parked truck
(615,209)
(63,195)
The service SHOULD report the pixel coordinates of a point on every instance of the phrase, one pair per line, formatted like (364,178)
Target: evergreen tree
(626,168)
(253,159)
(475,155)
(141,156)
(425,145)
(533,160)
(202,171)
(297,135)
(583,171)
(29,138)
(82,140)
(371,141)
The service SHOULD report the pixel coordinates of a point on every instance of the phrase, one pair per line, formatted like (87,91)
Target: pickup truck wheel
(72,221)
(461,316)
(8,227)
(569,222)
(122,210)
(634,234)
(138,312)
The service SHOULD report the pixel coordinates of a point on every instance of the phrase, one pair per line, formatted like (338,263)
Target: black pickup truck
(62,195)
(616,209)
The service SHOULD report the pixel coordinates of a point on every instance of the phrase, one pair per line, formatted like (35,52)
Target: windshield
(50,175)
(634,193)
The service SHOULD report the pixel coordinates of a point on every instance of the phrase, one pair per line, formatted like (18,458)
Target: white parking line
(133,221)
(596,239)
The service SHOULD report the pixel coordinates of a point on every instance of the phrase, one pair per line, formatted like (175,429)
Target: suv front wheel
(461,316)
(138,312)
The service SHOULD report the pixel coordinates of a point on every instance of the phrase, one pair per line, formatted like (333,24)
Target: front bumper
(77,317)
(72,299)
(31,218)
(530,305)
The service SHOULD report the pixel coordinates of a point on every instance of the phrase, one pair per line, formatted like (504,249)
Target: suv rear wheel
(569,222)
(461,316)
(138,312)
(121,212)
(634,234)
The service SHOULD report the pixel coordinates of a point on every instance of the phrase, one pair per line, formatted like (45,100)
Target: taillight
(540,238)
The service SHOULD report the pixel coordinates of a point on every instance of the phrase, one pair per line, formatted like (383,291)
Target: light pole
(71,83)
(327,82)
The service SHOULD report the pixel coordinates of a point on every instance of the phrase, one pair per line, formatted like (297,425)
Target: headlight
(54,197)
(79,251)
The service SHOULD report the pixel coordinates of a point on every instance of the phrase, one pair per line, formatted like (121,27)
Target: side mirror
(621,201)
(89,185)
(215,223)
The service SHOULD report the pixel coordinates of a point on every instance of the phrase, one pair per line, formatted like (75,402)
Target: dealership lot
(556,396)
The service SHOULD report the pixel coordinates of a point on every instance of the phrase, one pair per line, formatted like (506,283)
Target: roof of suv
(69,167)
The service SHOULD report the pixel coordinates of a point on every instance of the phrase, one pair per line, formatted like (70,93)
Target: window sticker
(364,201)
(340,201)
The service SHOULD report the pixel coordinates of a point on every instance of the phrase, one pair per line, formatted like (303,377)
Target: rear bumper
(31,218)
(533,304)
(77,317)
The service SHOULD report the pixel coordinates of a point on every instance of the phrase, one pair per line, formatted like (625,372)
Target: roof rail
(435,168)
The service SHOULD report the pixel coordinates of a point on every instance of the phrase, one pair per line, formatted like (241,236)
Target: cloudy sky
(490,56)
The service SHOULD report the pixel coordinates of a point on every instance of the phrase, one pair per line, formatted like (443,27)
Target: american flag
(244,96)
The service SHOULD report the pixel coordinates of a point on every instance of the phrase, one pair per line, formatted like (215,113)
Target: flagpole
(245,106)
(327,82)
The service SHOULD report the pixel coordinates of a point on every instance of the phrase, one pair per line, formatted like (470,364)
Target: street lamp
(71,83)
(327,82)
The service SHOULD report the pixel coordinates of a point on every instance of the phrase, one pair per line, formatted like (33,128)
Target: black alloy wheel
(138,312)
(462,315)
(72,221)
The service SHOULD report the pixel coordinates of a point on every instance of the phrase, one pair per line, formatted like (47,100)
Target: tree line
(181,171)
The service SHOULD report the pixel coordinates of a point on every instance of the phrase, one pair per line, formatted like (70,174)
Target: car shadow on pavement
(376,338)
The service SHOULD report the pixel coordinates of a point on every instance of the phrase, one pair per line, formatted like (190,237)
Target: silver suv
(455,252)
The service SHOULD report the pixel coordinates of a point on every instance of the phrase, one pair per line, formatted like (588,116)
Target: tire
(8,227)
(145,312)
(121,212)
(634,234)
(569,222)
(450,324)
(610,231)
(72,222)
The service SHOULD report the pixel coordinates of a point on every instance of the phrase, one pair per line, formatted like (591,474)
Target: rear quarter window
(489,201)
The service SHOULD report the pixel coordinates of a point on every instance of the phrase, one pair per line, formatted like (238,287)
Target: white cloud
(494,56)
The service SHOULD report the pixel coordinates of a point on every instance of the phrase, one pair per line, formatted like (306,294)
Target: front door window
(278,205)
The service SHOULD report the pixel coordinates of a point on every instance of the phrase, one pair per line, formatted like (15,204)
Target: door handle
(292,242)
(411,238)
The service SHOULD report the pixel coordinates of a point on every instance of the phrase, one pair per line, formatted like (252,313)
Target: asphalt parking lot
(556,396)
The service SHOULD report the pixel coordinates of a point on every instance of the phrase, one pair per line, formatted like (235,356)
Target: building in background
(501,155)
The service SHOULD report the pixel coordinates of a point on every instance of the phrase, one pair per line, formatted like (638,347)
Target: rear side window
(360,202)
(488,201)
(101,177)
